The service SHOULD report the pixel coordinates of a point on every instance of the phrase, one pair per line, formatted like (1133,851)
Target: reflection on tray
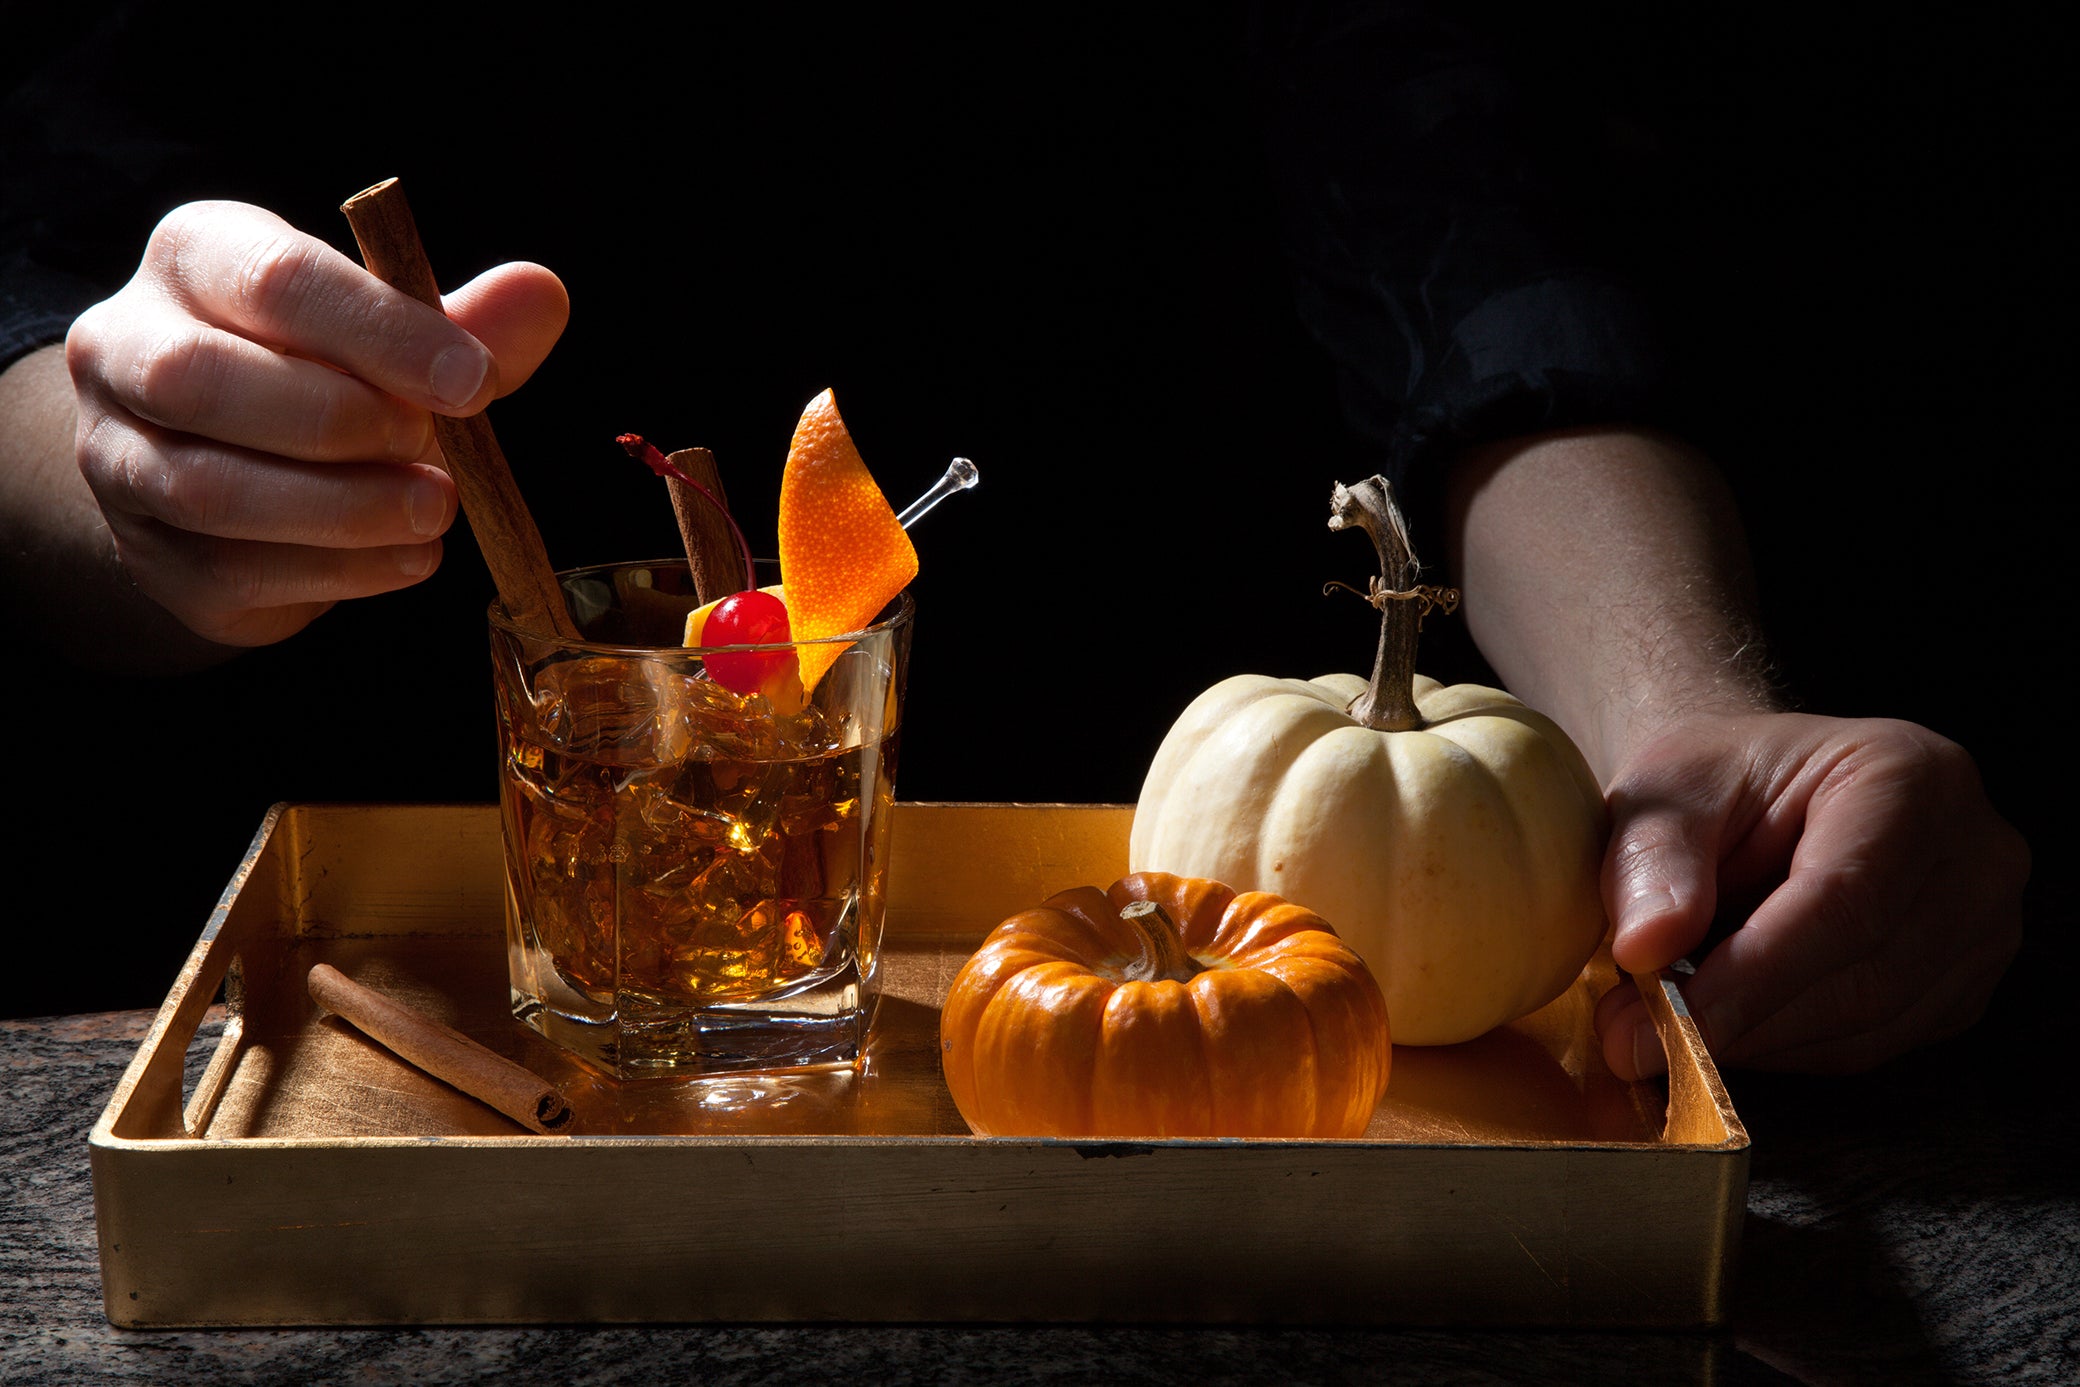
(303,1074)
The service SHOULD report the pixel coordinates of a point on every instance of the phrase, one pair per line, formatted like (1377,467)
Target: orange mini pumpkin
(1200,1014)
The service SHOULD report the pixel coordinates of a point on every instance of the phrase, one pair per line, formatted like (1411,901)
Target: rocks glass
(694,876)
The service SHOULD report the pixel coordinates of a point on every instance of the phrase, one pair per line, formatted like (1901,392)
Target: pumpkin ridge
(1319,980)
(1201,718)
(1349,761)
(1074,922)
(1519,843)
(1144,1064)
(1010,1035)
(1232,1019)
(1311,1087)
(1254,750)
(1523,770)
(1259,924)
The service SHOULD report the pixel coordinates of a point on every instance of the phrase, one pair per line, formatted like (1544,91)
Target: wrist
(1700,669)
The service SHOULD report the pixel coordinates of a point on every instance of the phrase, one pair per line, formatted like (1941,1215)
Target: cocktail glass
(694,876)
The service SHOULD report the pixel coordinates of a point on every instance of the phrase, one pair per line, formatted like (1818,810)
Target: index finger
(246,270)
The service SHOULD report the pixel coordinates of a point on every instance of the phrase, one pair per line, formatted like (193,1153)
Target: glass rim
(905,609)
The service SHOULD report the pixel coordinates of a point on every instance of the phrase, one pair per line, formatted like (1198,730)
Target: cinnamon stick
(711,545)
(443,1052)
(491,500)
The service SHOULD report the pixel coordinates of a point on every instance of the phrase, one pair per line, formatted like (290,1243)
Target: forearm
(65,587)
(1607,581)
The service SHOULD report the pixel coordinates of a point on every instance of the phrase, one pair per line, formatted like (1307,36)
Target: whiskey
(677,843)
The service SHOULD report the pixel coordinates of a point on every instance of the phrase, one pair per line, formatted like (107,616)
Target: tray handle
(1700,1111)
(148,1102)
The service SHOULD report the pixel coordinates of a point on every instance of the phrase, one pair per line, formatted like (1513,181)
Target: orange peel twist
(843,554)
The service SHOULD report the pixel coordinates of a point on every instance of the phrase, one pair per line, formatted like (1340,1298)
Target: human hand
(1876,895)
(255,416)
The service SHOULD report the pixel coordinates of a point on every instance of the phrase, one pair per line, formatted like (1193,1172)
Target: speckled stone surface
(1917,1225)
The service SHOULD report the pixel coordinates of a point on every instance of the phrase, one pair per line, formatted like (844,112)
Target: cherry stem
(648,453)
(960,475)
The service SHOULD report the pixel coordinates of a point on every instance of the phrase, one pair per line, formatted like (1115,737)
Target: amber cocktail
(694,876)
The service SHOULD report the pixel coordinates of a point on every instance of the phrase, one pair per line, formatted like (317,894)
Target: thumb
(517,311)
(1660,878)
(1660,885)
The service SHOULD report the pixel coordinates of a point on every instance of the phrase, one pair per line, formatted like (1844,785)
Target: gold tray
(307,1177)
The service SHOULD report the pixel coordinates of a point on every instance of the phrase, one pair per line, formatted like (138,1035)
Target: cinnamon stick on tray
(491,501)
(443,1052)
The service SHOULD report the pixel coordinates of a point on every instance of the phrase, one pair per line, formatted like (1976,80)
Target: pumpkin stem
(1389,701)
(1161,945)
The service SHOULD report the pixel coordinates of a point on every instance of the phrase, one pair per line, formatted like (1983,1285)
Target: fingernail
(426,506)
(417,560)
(458,374)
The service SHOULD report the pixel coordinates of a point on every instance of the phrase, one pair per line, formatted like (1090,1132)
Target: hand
(1876,896)
(254,416)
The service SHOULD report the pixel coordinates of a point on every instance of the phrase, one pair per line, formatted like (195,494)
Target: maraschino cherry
(750,617)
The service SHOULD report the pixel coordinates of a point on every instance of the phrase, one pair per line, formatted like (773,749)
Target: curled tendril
(1432,599)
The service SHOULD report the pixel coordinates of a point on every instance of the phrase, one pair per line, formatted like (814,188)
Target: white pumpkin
(1458,848)
(1460,861)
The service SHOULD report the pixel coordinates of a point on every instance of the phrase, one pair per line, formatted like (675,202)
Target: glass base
(821,1027)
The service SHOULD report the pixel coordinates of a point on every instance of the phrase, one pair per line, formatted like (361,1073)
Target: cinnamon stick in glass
(443,1052)
(491,500)
(711,545)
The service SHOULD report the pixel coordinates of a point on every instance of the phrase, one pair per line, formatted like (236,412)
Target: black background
(1044,244)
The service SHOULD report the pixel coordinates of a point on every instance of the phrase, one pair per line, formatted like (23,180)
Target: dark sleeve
(37,305)
(1433,242)
(82,175)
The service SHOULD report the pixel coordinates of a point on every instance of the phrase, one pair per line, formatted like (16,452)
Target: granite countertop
(1915,1225)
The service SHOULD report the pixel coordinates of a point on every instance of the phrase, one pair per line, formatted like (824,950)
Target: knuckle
(1647,833)
(175,379)
(173,238)
(85,340)
(1650,840)
(1636,854)
(323,420)
(98,444)
(111,458)
(187,495)
(236,584)
(172,250)
(1845,909)
(273,276)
